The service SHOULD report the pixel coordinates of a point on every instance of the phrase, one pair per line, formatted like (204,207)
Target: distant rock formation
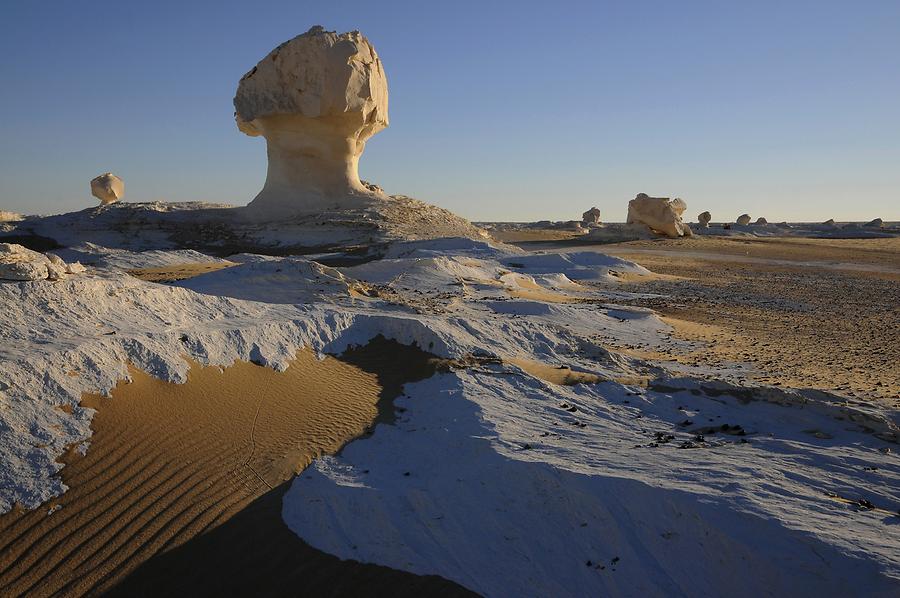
(660,214)
(829,222)
(704,218)
(20,263)
(316,99)
(761,221)
(9,216)
(591,217)
(108,188)
(743,220)
(877,223)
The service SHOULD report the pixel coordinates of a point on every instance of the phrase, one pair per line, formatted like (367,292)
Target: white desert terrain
(333,391)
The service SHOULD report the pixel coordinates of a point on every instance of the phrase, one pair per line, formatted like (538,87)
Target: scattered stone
(108,188)
(743,220)
(660,214)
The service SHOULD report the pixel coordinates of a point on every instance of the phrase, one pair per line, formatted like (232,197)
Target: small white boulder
(108,188)
(877,223)
(761,221)
(743,220)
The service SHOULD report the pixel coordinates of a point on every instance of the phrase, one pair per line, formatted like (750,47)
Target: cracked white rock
(108,188)
(316,99)
(660,214)
(20,263)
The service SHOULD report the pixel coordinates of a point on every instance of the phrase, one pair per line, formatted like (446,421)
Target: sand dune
(169,462)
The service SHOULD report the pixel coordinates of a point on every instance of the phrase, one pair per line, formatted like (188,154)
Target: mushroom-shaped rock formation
(660,214)
(761,221)
(108,188)
(316,99)
(20,263)
(703,218)
(743,219)
(591,217)
(877,223)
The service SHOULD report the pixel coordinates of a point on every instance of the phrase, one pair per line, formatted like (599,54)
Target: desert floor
(804,313)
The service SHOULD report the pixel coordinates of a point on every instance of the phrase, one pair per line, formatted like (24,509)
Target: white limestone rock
(9,216)
(660,214)
(316,99)
(22,264)
(761,221)
(704,218)
(877,223)
(743,220)
(108,188)
(591,217)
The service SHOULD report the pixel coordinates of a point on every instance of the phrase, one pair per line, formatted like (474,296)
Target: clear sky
(514,110)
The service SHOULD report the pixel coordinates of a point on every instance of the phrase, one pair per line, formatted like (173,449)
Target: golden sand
(176,272)
(171,462)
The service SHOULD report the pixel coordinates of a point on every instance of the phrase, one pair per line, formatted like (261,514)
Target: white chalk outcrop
(660,214)
(703,218)
(743,220)
(591,217)
(108,188)
(877,223)
(316,99)
(20,263)
(761,221)
(9,216)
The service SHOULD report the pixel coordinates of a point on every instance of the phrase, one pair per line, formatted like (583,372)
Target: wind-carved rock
(108,188)
(591,217)
(704,218)
(660,214)
(743,220)
(316,99)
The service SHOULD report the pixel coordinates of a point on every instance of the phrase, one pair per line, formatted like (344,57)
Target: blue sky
(499,110)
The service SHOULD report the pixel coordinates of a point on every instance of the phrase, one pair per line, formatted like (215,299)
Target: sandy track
(169,464)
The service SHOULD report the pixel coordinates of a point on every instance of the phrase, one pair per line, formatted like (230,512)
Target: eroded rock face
(9,216)
(20,263)
(761,221)
(591,217)
(316,99)
(108,188)
(877,223)
(661,214)
(704,218)
(743,219)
